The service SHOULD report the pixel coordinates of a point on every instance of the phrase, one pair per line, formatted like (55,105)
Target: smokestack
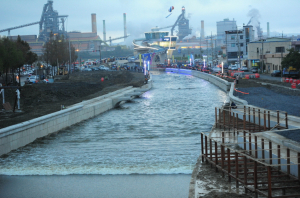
(268,30)
(94,23)
(125,28)
(104,31)
(202,30)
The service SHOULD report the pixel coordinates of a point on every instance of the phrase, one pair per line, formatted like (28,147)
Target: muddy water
(156,134)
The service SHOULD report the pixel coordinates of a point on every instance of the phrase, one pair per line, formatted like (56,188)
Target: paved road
(269,77)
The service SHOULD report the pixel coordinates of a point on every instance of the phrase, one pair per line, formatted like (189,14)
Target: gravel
(273,98)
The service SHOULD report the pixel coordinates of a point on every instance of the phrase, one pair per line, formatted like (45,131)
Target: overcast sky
(142,15)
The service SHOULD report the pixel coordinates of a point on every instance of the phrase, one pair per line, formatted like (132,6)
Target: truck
(291,73)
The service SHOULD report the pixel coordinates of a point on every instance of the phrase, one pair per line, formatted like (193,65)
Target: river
(156,136)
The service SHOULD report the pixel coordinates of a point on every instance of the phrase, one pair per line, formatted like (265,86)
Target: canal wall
(16,136)
(221,83)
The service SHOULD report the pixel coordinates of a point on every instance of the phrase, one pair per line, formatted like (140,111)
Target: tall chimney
(125,28)
(104,31)
(202,30)
(94,23)
(268,30)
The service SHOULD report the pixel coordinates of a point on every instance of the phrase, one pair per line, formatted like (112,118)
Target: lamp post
(222,68)
(70,57)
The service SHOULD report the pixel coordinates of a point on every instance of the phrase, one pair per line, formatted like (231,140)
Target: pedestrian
(237,79)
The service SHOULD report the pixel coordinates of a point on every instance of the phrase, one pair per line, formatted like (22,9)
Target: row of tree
(291,59)
(13,55)
(56,51)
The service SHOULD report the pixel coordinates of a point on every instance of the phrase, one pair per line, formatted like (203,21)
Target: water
(157,134)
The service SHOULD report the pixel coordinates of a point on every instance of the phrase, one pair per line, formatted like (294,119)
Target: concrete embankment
(16,136)
(221,83)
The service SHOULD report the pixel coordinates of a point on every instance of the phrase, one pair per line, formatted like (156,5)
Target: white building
(222,26)
(236,42)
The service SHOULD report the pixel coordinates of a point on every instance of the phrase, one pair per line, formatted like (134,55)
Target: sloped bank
(16,136)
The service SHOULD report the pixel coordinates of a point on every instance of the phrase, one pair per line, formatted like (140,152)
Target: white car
(217,69)
(234,67)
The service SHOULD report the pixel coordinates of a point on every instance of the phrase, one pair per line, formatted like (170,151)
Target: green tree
(291,59)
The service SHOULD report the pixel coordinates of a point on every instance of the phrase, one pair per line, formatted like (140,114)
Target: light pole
(70,57)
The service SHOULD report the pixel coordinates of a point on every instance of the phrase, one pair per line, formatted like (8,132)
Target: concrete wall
(19,135)
(222,84)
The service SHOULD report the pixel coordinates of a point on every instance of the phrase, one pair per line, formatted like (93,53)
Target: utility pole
(212,45)
(239,47)
(100,52)
(70,58)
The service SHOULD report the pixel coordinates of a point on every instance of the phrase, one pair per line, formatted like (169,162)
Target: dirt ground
(41,99)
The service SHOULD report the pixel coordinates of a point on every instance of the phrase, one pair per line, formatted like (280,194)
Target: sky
(142,15)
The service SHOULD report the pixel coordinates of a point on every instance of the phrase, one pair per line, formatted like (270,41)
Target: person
(233,105)
(237,79)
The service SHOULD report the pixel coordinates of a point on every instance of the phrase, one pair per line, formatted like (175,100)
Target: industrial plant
(52,22)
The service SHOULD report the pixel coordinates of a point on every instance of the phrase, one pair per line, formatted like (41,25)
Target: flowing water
(158,133)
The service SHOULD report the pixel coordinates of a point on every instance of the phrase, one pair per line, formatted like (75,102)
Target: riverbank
(265,93)
(42,99)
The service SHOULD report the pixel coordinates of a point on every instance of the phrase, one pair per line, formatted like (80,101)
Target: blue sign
(146,57)
(179,50)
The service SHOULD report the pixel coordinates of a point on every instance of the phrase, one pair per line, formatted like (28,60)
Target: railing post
(270,152)
(237,121)
(269,120)
(244,122)
(265,120)
(216,155)
(245,148)
(256,153)
(206,155)
(210,150)
(298,155)
(286,120)
(216,116)
(202,147)
(255,178)
(254,119)
(288,161)
(245,173)
(249,114)
(278,155)
(263,149)
(269,182)
(258,119)
(278,117)
(236,169)
(228,164)
(223,119)
(250,144)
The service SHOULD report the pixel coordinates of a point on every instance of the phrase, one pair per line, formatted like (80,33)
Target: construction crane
(20,26)
(112,39)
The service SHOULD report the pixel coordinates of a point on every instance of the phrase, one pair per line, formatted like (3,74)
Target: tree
(56,51)
(291,59)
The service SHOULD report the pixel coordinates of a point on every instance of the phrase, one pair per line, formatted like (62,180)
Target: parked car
(102,67)
(244,68)
(254,70)
(216,69)
(276,73)
(32,80)
(87,69)
(234,67)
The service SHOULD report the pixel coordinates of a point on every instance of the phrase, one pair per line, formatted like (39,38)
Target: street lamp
(222,68)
